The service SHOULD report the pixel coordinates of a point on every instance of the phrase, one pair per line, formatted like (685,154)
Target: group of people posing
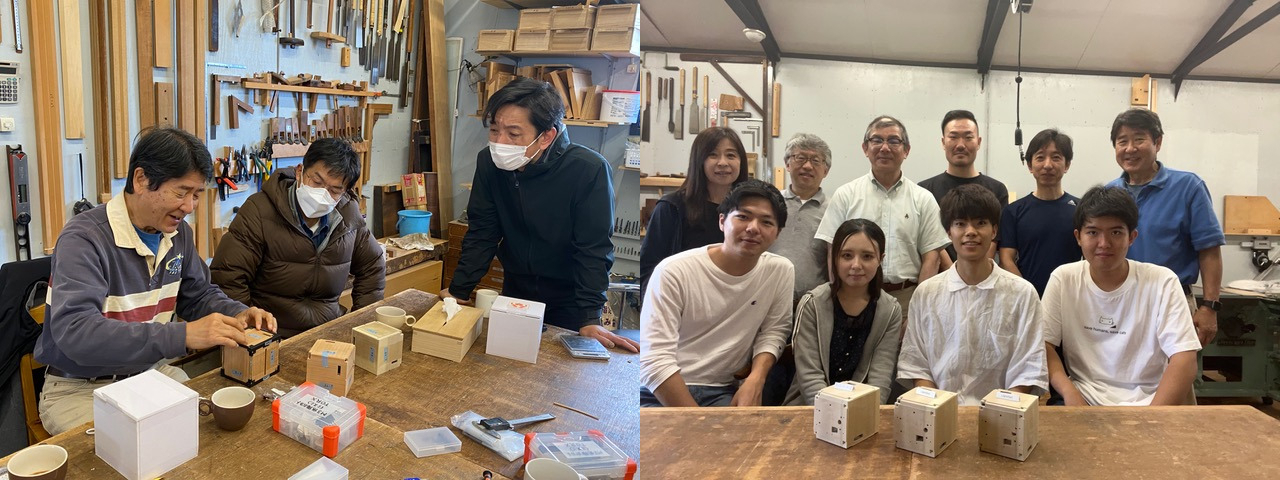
(758,297)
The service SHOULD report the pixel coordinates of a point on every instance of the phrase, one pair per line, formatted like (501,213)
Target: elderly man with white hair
(808,160)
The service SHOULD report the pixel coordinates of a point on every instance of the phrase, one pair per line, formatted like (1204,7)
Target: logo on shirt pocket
(1108,322)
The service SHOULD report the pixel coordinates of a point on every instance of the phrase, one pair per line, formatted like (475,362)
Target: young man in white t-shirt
(710,310)
(974,328)
(1123,325)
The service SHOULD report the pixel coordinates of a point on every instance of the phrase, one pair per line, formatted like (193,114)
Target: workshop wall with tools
(241,43)
(464,20)
(835,100)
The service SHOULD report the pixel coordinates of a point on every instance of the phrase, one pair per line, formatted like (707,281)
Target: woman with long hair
(847,329)
(687,218)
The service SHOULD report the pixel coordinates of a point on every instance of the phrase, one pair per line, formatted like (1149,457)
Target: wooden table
(425,391)
(1075,442)
(422,393)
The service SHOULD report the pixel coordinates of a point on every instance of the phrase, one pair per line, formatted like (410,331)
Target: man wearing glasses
(808,160)
(1177,227)
(907,213)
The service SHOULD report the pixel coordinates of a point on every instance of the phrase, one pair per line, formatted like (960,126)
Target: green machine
(1244,359)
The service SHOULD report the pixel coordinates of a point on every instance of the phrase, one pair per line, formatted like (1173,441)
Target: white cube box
(846,413)
(515,329)
(1007,424)
(924,420)
(146,425)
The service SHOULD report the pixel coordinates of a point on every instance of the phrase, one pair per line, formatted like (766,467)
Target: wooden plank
(162,18)
(1249,215)
(164,103)
(146,61)
(305,89)
(72,72)
(48,151)
(101,100)
(187,65)
(201,49)
(432,79)
(117,24)
(1087,442)
(777,109)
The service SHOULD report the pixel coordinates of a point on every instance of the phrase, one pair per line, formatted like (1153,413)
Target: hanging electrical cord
(1017,131)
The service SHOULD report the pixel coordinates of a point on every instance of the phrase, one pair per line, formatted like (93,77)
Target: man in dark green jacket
(544,206)
(292,245)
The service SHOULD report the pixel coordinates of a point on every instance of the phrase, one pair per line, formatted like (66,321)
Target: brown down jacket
(265,259)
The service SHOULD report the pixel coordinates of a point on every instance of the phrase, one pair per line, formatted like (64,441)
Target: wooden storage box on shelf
(533,40)
(535,19)
(573,16)
(571,40)
(496,41)
(615,39)
(618,16)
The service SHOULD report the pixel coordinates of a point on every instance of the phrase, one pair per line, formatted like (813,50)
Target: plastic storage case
(432,441)
(316,418)
(590,453)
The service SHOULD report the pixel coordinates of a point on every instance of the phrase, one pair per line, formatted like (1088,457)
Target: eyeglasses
(894,142)
(800,160)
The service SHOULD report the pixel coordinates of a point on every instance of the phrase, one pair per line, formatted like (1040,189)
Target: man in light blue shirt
(1176,224)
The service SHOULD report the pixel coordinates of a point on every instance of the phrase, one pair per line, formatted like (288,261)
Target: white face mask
(511,157)
(314,202)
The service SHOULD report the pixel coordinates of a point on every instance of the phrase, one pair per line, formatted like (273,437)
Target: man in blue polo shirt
(1176,224)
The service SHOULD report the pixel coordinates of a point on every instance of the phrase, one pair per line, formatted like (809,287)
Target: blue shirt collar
(1162,176)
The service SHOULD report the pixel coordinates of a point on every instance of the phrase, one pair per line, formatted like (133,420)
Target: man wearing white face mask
(292,245)
(544,206)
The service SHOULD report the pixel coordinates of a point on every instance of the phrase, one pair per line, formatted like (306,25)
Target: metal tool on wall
(671,105)
(17,27)
(82,205)
(648,101)
(292,40)
(695,117)
(680,118)
(20,199)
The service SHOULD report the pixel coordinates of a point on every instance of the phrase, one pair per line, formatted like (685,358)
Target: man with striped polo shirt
(122,273)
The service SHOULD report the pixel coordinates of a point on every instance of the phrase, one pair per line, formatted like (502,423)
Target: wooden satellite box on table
(379,347)
(924,420)
(254,361)
(846,413)
(1007,424)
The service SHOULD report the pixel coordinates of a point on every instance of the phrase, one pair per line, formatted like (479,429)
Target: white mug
(396,317)
(550,469)
(484,300)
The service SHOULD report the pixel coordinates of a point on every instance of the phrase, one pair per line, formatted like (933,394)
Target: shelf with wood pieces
(559,53)
(662,182)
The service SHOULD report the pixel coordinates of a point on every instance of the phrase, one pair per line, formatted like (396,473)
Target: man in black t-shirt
(1037,231)
(960,144)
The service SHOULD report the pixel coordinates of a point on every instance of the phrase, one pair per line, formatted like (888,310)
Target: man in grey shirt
(808,160)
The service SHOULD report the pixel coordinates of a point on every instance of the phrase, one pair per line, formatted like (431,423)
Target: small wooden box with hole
(1007,423)
(924,420)
(255,361)
(846,413)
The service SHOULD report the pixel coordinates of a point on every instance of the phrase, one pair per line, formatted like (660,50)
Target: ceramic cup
(550,469)
(39,462)
(396,317)
(484,300)
(231,407)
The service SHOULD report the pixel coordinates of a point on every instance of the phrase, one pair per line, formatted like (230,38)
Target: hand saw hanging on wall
(21,200)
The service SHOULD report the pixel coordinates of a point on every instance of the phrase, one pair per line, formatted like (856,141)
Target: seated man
(290,248)
(710,310)
(975,327)
(1123,325)
(122,272)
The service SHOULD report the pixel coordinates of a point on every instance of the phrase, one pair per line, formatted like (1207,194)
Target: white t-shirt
(1117,344)
(972,339)
(907,213)
(706,324)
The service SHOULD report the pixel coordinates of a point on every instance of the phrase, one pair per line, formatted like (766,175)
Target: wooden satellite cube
(254,361)
(924,420)
(846,413)
(379,347)
(330,366)
(450,340)
(1007,424)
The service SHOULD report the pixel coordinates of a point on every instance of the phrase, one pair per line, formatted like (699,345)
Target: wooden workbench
(422,393)
(425,391)
(1075,442)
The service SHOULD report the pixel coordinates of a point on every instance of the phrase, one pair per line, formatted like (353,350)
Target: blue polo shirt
(1175,222)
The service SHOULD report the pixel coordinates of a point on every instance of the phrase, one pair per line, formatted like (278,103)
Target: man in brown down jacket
(292,245)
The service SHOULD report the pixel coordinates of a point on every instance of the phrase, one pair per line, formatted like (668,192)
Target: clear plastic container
(316,418)
(322,469)
(590,453)
(432,441)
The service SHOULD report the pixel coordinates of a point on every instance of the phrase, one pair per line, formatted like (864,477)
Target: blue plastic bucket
(414,221)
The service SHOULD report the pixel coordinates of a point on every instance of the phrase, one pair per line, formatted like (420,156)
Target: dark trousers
(562,308)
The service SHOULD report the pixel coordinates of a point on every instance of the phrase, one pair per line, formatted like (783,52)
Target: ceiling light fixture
(754,35)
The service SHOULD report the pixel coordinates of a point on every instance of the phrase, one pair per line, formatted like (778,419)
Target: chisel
(680,118)
(648,101)
(671,105)
(695,117)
